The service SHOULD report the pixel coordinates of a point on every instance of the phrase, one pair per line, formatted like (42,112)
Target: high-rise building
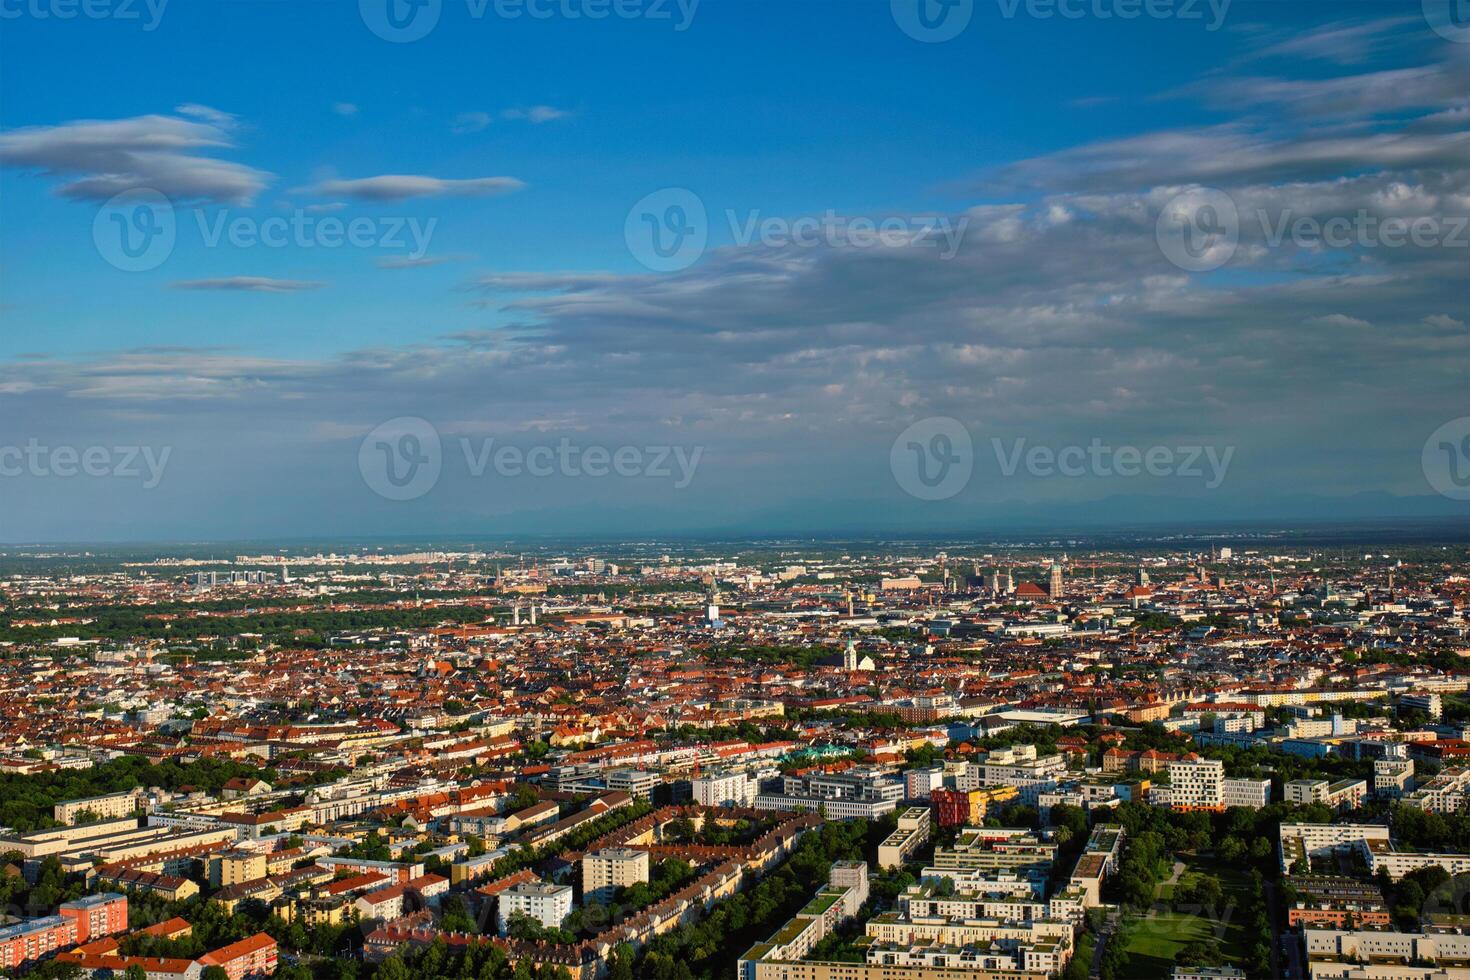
(607,870)
(723,789)
(543,901)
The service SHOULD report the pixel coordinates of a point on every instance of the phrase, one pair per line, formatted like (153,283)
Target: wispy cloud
(399,187)
(470,122)
(249,284)
(536,113)
(97,159)
(422,262)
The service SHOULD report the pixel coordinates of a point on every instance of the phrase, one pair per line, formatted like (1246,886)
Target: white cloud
(249,284)
(345,109)
(422,262)
(100,158)
(536,113)
(398,187)
(1335,320)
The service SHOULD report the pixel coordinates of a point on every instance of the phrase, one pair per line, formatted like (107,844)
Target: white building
(1197,784)
(1200,784)
(543,901)
(726,789)
(920,783)
(1020,766)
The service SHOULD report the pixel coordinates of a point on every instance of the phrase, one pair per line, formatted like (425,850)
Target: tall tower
(1054,581)
(849,656)
(712,609)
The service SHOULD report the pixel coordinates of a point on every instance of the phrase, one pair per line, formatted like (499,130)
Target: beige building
(814,970)
(900,846)
(113,806)
(607,870)
(233,867)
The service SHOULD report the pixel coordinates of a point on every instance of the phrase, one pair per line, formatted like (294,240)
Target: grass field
(1155,939)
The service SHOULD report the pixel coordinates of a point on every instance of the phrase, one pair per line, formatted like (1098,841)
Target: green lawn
(1156,939)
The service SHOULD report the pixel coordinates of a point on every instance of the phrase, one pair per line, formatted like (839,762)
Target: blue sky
(1052,142)
(779,108)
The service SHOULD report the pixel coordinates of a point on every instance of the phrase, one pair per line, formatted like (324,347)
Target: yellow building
(233,867)
(325,911)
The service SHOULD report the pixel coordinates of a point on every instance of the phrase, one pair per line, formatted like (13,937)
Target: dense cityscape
(777,761)
(734,490)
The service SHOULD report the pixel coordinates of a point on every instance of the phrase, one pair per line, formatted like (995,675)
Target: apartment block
(113,806)
(899,847)
(543,901)
(727,789)
(607,870)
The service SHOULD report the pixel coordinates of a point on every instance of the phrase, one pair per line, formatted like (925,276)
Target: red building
(253,956)
(97,915)
(75,922)
(951,807)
